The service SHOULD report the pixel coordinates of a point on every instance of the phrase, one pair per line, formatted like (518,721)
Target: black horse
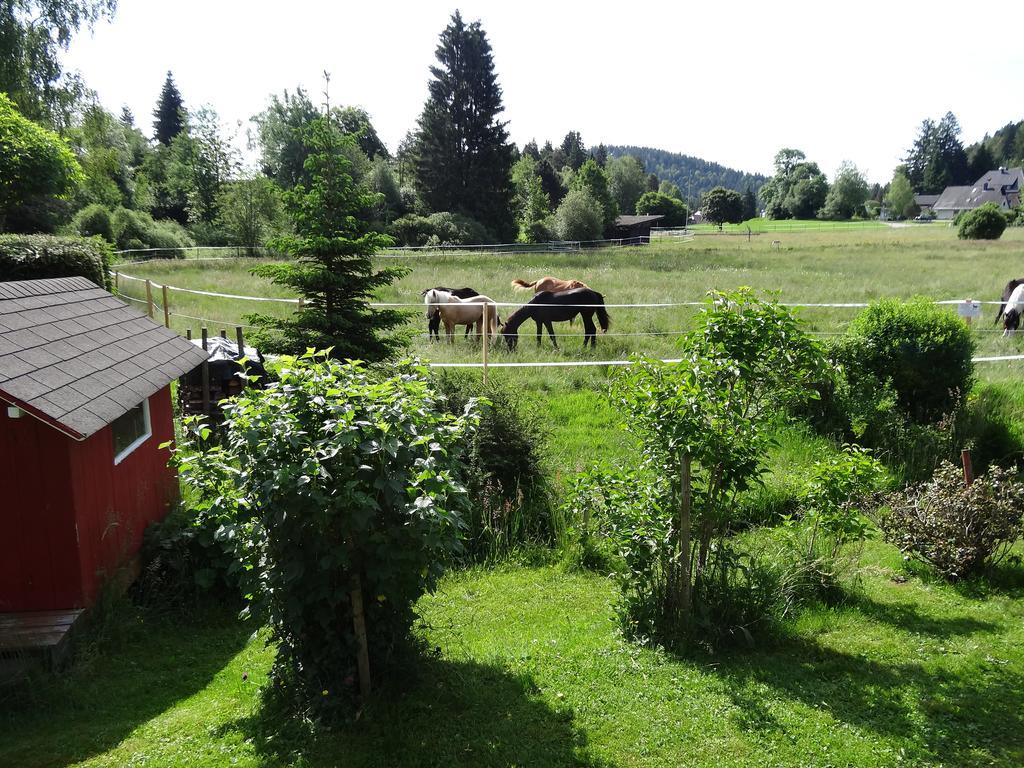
(434,323)
(546,308)
(1011,320)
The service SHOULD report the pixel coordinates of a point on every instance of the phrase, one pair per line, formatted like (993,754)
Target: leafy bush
(922,351)
(579,216)
(656,203)
(94,220)
(704,425)
(136,230)
(986,222)
(32,257)
(342,494)
(505,478)
(829,521)
(439,229)
(957,529)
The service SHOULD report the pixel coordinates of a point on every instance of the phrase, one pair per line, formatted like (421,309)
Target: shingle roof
(628,220)
(954,198)
(77,357)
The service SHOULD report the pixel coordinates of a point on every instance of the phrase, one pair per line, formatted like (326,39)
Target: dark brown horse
(546,308)
(434,319)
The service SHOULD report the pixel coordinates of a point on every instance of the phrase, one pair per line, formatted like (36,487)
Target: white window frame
(148,433)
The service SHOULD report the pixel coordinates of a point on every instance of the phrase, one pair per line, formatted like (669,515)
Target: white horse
(1014,306)
(455,311)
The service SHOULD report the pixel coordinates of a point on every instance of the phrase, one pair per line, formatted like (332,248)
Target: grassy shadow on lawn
(115,685)
(964,717)
(452,713)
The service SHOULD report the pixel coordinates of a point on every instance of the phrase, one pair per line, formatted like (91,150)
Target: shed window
(131,430)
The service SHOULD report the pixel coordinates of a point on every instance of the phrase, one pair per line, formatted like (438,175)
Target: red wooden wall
(83,518)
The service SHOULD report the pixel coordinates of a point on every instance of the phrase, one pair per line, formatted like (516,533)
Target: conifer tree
(169,115)
(332,268)
(464,157)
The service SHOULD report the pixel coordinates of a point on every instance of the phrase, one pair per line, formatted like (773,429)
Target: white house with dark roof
(1002,186)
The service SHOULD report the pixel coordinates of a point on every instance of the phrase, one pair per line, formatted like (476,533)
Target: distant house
(635,226)
(925,202)
(1002,186)
(85,403)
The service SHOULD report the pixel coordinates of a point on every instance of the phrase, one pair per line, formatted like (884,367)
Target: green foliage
(509,491)
(332,268)
(32,35)
(33,257)
(831,520)
(722,206)
(703,425)
(251,211)
(627,180)
(134,230)
(593,179)
(900,195)
(797,190)
(464,158)
(535,213)
(439,229)
(656,203)
(957,529)
(94,220)
(169,114)
(34,162)
(937,158)
(333,483)
(847,195)
(986,222)
(579,217)
(923,351)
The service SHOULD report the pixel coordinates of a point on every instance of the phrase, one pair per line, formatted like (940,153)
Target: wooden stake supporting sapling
(965,458)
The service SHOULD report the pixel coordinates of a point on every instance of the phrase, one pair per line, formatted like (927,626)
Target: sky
(729,82)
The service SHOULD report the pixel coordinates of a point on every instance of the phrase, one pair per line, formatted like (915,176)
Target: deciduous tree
(847,195)
(722,206)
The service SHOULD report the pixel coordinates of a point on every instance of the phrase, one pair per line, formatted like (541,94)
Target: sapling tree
(704,424)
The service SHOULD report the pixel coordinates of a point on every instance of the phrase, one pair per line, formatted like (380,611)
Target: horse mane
(517,318)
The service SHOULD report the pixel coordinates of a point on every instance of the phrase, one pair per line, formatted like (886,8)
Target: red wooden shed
(84,405)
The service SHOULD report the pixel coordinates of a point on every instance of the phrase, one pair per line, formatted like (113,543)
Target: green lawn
(529,670)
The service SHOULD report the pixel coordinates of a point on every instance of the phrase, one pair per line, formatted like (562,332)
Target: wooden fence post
(167,308)
(484,335)
(117,281)
(965,458)
(240,340)
(149,298)
(206,374)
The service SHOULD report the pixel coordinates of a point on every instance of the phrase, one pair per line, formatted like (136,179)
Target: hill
(692,175)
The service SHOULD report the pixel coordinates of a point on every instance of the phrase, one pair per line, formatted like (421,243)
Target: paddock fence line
(192,253)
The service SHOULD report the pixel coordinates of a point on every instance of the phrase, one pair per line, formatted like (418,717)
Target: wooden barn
(85,403)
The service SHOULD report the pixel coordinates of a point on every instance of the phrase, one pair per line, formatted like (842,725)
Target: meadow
(523,661)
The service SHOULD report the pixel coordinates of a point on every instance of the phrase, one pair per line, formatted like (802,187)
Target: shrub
(136,230)
(986,222)
(922,351)
(342,490)
(957,529)
(439,229)
(505,478)
(94,220)
(32,257)
(655,203)
(579,216)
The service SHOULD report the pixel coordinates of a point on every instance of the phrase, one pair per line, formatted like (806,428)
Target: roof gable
(78,357)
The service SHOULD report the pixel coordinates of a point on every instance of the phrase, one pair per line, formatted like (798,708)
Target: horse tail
(522,285)
(603,318)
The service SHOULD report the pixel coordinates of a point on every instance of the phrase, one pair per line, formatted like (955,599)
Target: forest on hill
(692,175)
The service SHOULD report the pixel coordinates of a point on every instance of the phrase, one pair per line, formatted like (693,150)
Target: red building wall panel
(39,568)
(115,503)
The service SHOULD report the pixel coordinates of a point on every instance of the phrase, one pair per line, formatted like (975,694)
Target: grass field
(529,670)
(526,666)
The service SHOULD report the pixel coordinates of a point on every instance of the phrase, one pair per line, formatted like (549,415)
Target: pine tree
(464,158)
(169,115)
(332,270)
(749,204)
(127,117)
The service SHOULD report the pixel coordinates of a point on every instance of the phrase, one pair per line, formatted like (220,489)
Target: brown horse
(548,283)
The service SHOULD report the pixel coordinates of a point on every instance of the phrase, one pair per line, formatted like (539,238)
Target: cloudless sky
(730,82)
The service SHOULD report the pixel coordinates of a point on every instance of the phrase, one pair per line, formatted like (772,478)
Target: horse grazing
(552,284)
(434,320)
(1011,305)
(546,308)
(455,311)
